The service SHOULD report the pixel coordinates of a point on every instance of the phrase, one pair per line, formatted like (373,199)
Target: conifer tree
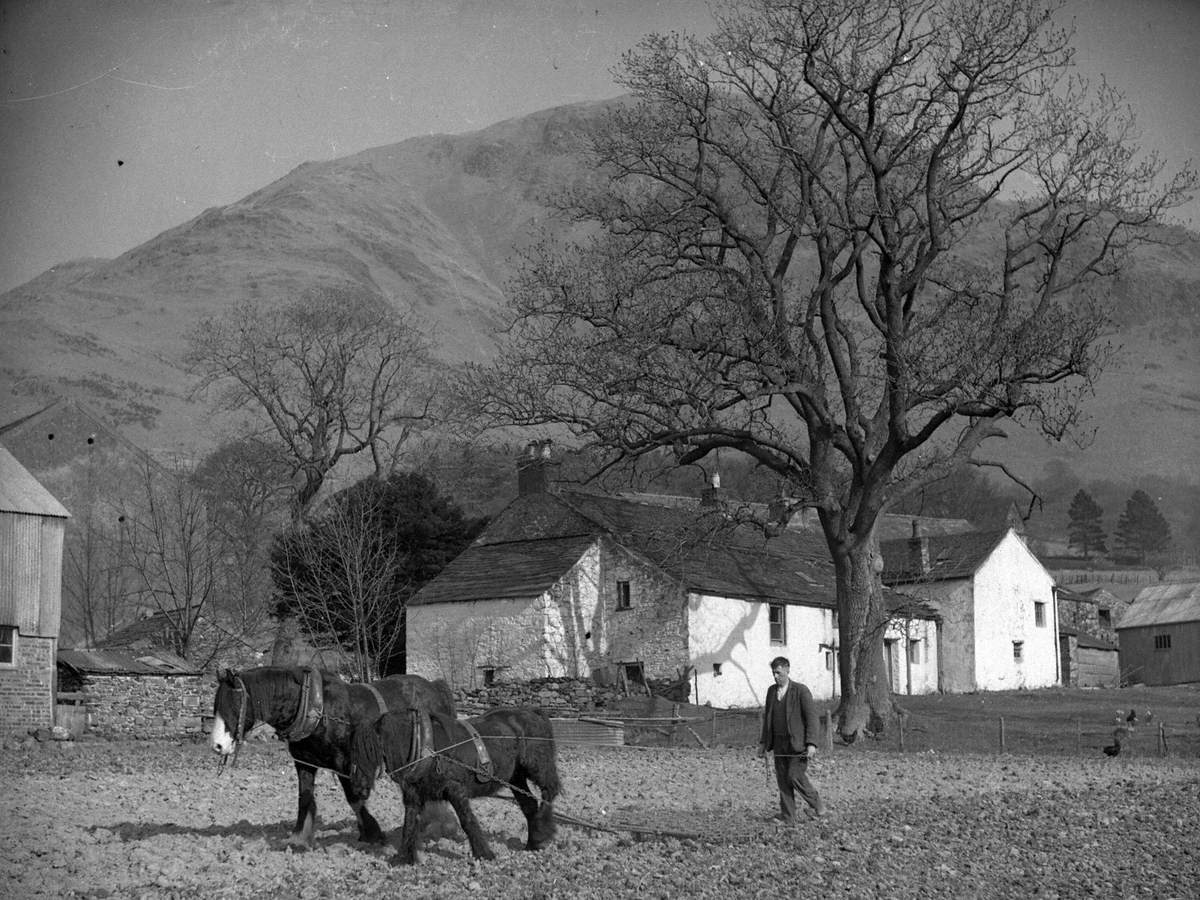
(1085,530)
(1142,530)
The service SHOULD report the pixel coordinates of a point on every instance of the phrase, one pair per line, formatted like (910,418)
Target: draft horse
(316,713)
(435,757)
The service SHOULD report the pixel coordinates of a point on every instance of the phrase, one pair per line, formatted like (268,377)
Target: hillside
(433,222)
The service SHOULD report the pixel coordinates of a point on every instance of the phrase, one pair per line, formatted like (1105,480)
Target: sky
(120,119)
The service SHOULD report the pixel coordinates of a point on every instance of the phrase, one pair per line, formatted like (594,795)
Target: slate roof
(701,549)
(951,556)
(506,570)
(118,662)
(1163,604)
(1086,639)
(20,492)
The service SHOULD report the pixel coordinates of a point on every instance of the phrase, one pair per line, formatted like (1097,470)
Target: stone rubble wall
(27,687)
(559,697)
(147,706)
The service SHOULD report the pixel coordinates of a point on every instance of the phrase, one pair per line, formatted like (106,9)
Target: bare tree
(175,553)
(848,238)
(96,587)
(339,577)
(333,374)
(247,486)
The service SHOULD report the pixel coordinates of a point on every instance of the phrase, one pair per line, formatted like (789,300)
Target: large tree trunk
(862,620)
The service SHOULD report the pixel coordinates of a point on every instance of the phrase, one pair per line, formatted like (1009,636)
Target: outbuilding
(32,522)
(144,694)
(1159,635)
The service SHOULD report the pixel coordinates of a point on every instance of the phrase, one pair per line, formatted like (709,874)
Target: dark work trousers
(791,769)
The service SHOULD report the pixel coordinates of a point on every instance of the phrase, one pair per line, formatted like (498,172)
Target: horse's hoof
(486,854)
(376,837)
(401,860)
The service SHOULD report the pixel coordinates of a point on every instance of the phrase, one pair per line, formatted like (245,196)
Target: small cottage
(999,628)
(118,694)
(32,523)
(1159,635)
(625,589)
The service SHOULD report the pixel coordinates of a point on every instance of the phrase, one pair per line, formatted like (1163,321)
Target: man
(789,731)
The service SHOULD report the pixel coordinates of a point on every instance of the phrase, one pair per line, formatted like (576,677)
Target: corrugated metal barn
(1160,635)
(32,523)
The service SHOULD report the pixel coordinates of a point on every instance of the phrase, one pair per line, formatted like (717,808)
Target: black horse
(437,757)
(316,713)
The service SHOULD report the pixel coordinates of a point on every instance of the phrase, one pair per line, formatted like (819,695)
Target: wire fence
(683,725)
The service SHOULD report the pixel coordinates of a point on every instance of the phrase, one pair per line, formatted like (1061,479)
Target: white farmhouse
(572,584)
(999,621)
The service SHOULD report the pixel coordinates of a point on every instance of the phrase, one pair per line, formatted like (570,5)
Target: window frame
(1039,613)
(8,641)
(624,595)
(1018,651)
(914,651)
(1162,642)
(779,626)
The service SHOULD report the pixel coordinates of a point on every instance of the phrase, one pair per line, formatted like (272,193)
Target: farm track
(153,820)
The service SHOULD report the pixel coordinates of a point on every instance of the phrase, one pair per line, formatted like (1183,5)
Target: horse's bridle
(239,734)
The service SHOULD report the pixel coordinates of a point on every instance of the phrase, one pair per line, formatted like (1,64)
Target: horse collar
(311,708)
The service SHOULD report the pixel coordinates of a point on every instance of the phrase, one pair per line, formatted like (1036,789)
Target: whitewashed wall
(910,676)
(561,633)
(736,634)
(1005,589)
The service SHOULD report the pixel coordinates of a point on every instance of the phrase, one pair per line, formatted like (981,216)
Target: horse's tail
(542,754)
(366,755)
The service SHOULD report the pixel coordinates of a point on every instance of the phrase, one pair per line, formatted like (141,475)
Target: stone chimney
(536,469)
(710,497)
(918,550)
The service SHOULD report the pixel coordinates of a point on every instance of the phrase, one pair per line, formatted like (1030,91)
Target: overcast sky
(122,118)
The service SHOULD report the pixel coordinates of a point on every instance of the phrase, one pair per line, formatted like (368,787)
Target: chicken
(1132,717)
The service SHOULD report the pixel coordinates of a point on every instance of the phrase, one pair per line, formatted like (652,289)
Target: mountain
(434,221)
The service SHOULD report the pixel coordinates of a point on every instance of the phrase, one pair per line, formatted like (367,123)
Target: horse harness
(311,709)
(422,746)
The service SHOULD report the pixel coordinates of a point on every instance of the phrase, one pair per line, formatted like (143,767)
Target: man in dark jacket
(789,731)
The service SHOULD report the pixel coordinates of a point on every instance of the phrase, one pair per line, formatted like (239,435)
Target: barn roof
(1163,604)
(119,662)
(20,492)
(951,556)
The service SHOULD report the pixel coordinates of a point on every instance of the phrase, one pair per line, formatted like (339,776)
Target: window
(1162,642)
(489,676)
(914,652)
(1104,617)
(8,645)
(1039,614)
(778,619)
(1018,650)
(716,670)
(623,601)
(828,660)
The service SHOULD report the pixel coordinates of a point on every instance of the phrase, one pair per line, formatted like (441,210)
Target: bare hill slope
(433,222)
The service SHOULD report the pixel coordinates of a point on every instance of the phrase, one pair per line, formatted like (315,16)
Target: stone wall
(147,706)
(559,697)
(27,687)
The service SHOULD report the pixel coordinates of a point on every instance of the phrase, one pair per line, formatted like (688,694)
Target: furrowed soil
(154,819)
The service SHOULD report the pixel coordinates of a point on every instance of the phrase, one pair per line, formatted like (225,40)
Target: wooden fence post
(900,719)
(1078,734)
(1162,739)
(828,730)
(1003,748)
